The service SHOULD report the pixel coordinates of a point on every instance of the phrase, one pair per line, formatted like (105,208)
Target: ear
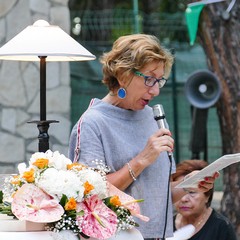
(206,202)
(125,78)
(121,82)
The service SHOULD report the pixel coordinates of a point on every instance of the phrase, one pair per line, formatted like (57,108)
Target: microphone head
(158,111)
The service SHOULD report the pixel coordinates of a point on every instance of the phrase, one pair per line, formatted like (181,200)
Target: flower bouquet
(69,197)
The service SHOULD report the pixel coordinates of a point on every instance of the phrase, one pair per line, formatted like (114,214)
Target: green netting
(105,26)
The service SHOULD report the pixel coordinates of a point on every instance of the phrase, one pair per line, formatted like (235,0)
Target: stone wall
(20,84)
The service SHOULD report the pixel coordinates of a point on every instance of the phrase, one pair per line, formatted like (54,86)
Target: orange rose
(115,201)
(71,204)
(88,187)
(16,180)
(29,176)
(77,166)
(41,163)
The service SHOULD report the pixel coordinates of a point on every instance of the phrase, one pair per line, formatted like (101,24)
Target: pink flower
(98,220)
(128,202)
(32,204)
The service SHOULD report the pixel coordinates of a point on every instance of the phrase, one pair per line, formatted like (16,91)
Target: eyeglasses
(191,193)
(150,80)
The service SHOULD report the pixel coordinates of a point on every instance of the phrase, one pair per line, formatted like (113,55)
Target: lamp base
(43,137)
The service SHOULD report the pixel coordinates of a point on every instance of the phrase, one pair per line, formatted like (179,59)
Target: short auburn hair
(130,53)
(187,166)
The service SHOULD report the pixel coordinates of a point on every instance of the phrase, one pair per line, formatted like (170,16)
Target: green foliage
(5,208)
(163,18)
(63,200)
(123,214)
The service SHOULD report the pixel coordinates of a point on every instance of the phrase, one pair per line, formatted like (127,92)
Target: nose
(154,90)
(185,198)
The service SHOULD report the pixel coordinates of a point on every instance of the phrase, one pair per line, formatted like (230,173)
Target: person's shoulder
(221,218)
(219,215)
(224,225)
(88,116)
(94,108)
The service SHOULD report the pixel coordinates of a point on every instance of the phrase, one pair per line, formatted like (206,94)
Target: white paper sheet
(216,166)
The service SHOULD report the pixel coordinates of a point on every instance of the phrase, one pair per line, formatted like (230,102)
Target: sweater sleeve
(88,140)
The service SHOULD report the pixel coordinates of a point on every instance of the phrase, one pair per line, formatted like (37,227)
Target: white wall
(20,82)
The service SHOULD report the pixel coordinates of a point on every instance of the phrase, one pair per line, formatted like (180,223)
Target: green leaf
(71,213)
(5,208)
(63,200)
(83,235)
(81,213)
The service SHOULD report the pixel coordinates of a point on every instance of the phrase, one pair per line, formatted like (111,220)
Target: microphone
(159,116)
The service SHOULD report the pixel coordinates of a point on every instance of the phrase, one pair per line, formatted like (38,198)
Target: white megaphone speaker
(203,89)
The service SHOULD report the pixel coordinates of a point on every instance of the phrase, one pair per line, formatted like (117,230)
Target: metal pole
(43,88)
(43,124)
(135,13)
(175,109)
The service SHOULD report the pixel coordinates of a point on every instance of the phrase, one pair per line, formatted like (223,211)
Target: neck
(112,99)
(198,222)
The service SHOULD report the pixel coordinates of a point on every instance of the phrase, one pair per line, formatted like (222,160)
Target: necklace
(201,220)
(196,225)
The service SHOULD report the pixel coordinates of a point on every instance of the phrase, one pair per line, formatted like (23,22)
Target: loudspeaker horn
(202,89)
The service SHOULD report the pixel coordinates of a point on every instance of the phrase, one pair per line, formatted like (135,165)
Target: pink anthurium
(127,201)
(32,204)
(98,220)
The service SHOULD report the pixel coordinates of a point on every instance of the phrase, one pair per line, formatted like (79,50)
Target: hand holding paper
(216,166)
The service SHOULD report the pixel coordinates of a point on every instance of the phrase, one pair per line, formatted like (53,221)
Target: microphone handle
(159,116)
(161,122)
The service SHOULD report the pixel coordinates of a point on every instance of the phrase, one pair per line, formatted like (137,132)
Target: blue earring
(121,93)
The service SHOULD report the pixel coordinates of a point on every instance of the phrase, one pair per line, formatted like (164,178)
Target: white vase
(130,234)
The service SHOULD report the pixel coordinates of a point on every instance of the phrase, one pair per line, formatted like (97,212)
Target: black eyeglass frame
(161,81)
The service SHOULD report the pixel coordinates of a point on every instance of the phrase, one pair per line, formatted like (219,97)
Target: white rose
(56,183)
(95,179)
(35,157)
(58,161)
(22,168)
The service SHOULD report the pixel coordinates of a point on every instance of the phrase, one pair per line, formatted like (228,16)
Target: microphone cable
(159,116)
(168,192)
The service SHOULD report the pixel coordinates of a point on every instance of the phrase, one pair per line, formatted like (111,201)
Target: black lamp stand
(43,124)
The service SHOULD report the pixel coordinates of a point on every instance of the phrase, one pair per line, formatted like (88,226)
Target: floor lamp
(43,42)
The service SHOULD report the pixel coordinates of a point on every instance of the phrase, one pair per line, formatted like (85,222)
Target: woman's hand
(208,182)
(159,142)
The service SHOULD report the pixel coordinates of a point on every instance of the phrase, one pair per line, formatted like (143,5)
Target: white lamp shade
(43,39)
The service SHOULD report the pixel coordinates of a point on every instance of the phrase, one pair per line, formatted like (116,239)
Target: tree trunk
(220,38)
